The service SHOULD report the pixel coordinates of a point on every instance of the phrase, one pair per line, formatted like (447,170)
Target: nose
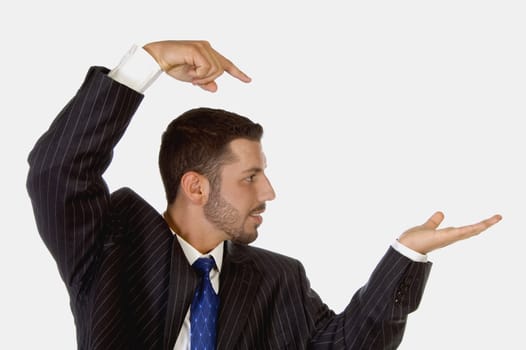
(267,192)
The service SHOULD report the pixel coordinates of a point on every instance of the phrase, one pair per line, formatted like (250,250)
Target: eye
(251,178)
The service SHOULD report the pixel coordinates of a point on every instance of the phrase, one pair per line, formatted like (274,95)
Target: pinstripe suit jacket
(129,283)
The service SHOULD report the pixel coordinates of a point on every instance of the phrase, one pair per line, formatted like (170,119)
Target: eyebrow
(253,170)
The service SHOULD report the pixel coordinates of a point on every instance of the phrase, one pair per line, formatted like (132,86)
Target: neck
(194,229)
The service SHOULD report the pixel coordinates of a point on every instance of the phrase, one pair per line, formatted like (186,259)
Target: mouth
(256,214)
(257,218)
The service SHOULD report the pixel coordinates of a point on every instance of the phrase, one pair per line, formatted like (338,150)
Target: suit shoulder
(265,259)
(126,203)
(125,194)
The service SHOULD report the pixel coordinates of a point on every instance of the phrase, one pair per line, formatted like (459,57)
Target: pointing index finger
(233,70)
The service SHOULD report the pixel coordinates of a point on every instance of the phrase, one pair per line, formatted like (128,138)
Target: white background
(376,113)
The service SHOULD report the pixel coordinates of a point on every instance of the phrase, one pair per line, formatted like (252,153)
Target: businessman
(188,278)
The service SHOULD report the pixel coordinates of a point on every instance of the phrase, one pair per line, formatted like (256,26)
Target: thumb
(434,221)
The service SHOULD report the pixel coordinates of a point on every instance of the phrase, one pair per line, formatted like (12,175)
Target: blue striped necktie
(204,309)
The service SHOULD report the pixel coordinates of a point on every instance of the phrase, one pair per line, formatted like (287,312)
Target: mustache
(260,207)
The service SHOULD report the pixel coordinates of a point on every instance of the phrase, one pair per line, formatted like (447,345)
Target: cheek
(242,200)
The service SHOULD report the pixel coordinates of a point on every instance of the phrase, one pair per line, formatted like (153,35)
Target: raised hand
(193,61)
(427,237)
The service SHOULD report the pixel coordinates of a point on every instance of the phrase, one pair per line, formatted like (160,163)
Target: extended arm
(377,314)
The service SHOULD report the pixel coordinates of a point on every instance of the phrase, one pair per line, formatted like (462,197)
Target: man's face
(236,205)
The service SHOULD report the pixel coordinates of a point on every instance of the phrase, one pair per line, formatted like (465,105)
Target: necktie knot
(204,265)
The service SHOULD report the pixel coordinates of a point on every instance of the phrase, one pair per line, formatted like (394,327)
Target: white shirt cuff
(408,252)
(137,69)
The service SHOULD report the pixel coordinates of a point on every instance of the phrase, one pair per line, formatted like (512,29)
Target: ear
(195,187)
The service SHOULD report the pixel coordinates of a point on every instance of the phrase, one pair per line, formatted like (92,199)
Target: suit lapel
(239,281)
(183,282)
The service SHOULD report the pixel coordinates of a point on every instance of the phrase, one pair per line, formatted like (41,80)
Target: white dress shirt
(138,70)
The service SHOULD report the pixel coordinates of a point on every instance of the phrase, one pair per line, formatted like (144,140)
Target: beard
(227,218)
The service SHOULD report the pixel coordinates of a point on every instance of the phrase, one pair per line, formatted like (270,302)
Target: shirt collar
(193,254)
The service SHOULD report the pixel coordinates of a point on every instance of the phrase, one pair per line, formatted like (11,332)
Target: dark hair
(198,140)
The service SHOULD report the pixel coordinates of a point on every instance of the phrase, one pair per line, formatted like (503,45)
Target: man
(129,270)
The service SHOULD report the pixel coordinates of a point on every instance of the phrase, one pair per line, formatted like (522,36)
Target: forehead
(247,153)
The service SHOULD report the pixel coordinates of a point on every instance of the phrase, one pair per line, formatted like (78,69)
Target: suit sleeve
(377,314)
(69,196)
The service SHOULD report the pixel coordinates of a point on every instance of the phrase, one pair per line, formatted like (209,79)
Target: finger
(199,63)
(477,228)
(233,70)
(195,67)
(211,66)
(199,80)
(458,233)
(434,221)
(204,71)
(211,87)
(209,71)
